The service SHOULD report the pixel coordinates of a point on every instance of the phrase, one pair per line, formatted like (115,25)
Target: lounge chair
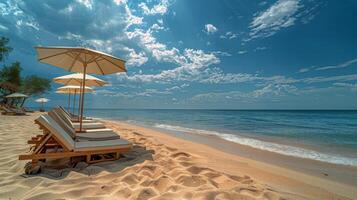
(91,135)
(11,111)
(76,125)
(73,116)
(27,110)
(57,143)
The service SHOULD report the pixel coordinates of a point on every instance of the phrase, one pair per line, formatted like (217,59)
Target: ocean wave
(268,146)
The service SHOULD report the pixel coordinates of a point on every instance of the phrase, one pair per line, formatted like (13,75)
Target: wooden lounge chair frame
(48,146)
(11,111)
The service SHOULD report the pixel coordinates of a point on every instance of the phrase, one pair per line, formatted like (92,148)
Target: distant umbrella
(17,98)
(72,89)
(77,79)
(17,95)
(81,60)
(42,101)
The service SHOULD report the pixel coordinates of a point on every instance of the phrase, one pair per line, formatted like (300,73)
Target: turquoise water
(328,136)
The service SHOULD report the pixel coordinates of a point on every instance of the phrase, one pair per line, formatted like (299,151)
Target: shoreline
(340,179)
(335,156)
(328,170)
(159,166)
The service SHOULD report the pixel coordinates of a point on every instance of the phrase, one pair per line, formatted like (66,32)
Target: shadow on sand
(60,168)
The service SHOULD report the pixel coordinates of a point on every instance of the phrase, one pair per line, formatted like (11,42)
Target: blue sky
(243,54)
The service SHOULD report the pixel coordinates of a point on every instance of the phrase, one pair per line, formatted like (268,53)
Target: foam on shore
(267,146)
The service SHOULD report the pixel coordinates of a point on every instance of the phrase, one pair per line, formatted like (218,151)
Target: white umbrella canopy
(76,79)
(72,89)
(42,100)
(81,60)
(75,59)
(16,95)
(17,98)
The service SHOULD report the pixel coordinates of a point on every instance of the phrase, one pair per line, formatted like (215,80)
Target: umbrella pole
(82,94)
(23,102)
(74,101)
(69,103)
(79,103)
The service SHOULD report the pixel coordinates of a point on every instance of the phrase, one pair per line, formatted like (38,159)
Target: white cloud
(159,51)
(86,3)
(193,67)
(221,53)
(328,67)
(319,79)
(3,28)
(156,27)
(130,18)
(136,59)
(160,8)
(280,15)
(118,2)
(303,70)
(229,35)
(210,29)
(342,65)
(177,87)
(242,52)
(270,92)
(351,86)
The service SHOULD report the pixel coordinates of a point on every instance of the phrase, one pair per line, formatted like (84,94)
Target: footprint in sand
(180,154)
(251,191)
(186,164)
(146,193)
(171,149)
(271,196)
(244,180)
(190,181)
(223,182)
(161,184)
(130,179)
(198,170)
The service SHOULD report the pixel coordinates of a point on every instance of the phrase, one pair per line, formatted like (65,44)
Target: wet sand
(159,167)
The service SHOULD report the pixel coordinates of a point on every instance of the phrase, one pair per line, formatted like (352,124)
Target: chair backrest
(65,111)
(63,116)
(7,110)
(55,129)
(68,128)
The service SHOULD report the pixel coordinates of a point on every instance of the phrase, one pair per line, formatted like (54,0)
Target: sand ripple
(151,171)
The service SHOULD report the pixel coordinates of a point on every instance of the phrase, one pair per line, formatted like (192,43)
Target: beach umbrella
(76,79)
(17,96)
(72,89)
(42,101)
(81,60)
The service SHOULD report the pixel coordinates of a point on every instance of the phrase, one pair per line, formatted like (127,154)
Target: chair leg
(34,162)
(32,167)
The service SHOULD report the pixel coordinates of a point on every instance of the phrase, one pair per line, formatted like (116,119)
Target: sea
(323,135)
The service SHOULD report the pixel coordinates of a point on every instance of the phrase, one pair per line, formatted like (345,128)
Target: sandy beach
(159,167)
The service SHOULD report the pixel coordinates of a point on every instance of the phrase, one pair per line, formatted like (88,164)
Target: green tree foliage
(11,80)
(4,49)
(34,85)
(11,74)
